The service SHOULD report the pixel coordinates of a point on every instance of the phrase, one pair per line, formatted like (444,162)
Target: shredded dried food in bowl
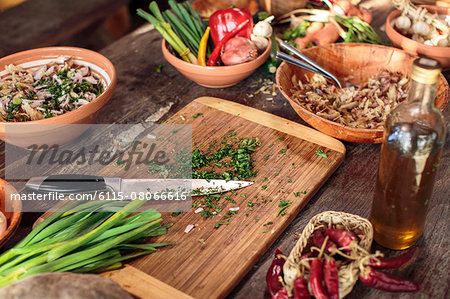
(365,107)
(46,91)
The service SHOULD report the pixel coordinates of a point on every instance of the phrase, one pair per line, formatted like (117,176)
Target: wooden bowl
(58,129)
(360,61)
(442,54)
(12,209)
(215,76)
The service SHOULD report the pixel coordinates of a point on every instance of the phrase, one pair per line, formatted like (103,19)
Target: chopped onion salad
(46,91)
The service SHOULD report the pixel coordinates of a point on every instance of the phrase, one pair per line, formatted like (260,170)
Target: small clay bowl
(360,61)
(215,76)
(58,129)
(12,209)
(442,54)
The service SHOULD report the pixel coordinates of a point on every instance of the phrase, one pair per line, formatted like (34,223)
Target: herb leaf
(321,153)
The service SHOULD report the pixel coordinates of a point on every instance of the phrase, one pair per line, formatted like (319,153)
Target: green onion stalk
(84,238)
(180,30)
(166,31)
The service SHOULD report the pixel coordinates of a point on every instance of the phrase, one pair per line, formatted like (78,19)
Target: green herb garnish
(159,67)
(321,153)
(283,206)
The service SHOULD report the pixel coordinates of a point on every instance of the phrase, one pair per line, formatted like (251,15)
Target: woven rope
(348,273)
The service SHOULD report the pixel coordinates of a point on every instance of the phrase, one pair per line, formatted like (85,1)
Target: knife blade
(75,183)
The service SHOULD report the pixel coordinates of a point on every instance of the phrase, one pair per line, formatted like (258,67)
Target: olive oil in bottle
(413,141)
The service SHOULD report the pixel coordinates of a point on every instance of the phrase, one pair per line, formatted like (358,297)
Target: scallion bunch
(84,237)
(181,27)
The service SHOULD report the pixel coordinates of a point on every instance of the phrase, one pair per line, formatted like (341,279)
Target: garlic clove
(263,28)
(403,23)
(421,28)
(261,42)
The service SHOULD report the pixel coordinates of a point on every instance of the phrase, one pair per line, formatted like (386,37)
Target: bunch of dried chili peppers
(317,270)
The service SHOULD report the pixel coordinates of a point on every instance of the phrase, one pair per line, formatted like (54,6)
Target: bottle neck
(422,93)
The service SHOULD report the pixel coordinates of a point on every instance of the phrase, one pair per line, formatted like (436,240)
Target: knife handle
(66,183)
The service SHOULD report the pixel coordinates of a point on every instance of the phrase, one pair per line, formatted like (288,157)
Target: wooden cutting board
(209,262)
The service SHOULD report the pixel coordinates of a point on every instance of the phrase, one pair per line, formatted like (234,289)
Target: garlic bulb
(261,32)
(440,41)
(403,23)
(263,28)
(421,28)
(261,43)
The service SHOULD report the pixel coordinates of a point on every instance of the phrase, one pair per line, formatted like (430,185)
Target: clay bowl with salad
(44,91)
(10,212)
(216,53)
(422,30)
(354,114)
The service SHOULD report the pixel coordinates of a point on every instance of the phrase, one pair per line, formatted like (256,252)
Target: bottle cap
(426,70)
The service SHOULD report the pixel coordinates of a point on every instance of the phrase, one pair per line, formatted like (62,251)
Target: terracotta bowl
(442,54)
(215,76)
(360,61)
(12,209)
(34,132)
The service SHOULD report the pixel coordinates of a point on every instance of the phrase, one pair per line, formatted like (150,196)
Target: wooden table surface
(41,23)
(144,94)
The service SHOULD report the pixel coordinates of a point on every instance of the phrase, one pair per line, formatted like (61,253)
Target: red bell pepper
(224,21)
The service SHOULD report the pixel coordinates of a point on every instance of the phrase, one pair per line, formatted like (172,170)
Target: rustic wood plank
(40,23)
(142,92)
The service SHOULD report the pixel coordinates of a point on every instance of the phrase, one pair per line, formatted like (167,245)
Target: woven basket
(348,273)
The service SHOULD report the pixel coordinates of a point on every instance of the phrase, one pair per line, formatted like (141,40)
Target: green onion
(170,36)
(183,28)
(75,243)
(80,238)
(190,21)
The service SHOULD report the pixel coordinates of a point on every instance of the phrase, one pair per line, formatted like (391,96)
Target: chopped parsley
(176,212)
(283,206)
(321,153)
(196,115)
(159,67)
(119,163)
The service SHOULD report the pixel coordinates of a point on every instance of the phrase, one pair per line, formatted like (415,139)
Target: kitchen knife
(76,183)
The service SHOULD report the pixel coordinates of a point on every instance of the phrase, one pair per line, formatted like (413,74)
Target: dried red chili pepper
(387,282)
(301,288)
(212,61)
(393,262)
(319,238)
(309,255)
(275,271)
(316,280)
(330,275)
(341,237)
(281,294)
(224,21)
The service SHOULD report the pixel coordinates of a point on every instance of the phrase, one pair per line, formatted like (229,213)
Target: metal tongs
(307,63)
